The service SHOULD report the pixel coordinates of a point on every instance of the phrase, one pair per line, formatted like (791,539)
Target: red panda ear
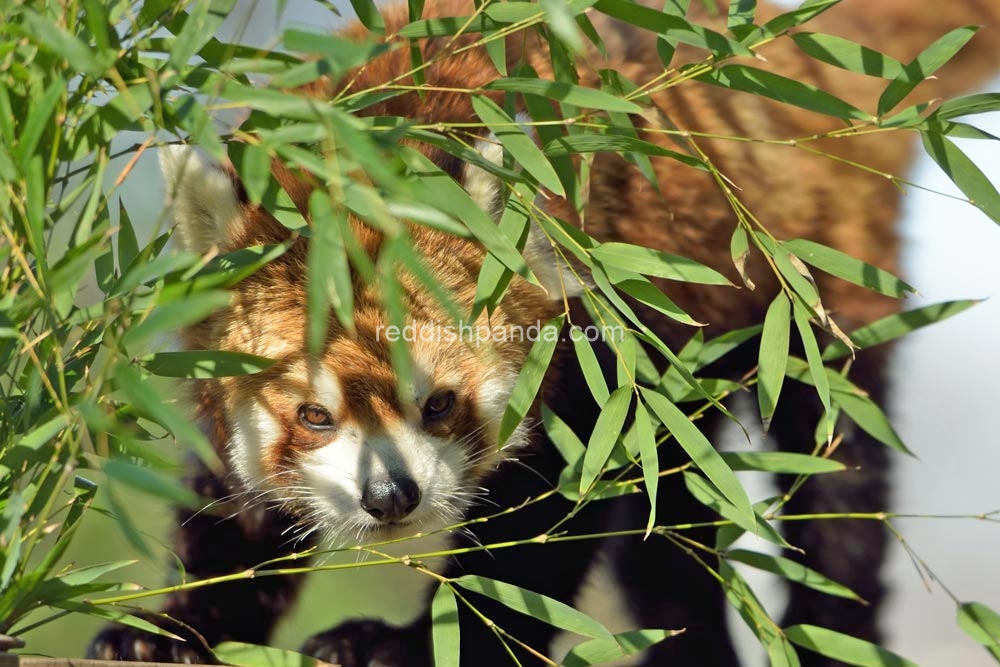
(203,198)
(486,190)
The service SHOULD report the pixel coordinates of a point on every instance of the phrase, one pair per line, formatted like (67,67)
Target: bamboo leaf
(773,356)
(567,93)
(514,140)
(844,648)
(897,325)
(848,55)
(533,604)
(816,368)
(606,432)
(776,87)
(704,455)
(649,458)
(969,178)
(601,651)
(204,364)
(444,627)
(652,262)
(850,269)
(530,378)
(792,571)
(789,463)
(929,61)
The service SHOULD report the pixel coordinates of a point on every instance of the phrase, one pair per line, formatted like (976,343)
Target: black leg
(850,552)
(209,545)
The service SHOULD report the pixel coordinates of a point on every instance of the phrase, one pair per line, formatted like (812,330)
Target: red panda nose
(390,499)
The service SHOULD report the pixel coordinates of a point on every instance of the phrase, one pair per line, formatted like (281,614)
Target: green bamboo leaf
(561,21)
(115,617)
(966,106)
(640,289)
(329,283)
(794,271)
(606,432)
(929,61)
(204,364)
(853,401)
(897,325)
(651,262)
(444,627)
(594,143)
(792,571)
(535,605)
(514,140)
(796,17)
(54,39)
(982,624)
(253,163)
(591,368)
(788,463)
(439,190)
(741,14)
(816,368)
(649,458)
(676,27)
(706,493)
(773,356)
(568,93)
(530,378)
(844,648)
(850,269)
(448,26)
(162,485)
(222,271)
(249,655)
(147,402)
(45,432)
(562,436)
(848,55)
(781,653)
(776,87)
(744,600)
(704,455)
(969,178)
(198,29)
(175,315)
(739,248)
(494,277)
(864,412)
(369,15)
(601,651)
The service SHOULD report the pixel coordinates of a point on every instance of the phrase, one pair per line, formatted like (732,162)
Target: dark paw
(370,644)
(120,642)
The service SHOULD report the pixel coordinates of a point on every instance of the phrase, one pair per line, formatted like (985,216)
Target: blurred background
(945,378)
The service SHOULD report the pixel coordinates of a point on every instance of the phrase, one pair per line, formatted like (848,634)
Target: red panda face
(332,437)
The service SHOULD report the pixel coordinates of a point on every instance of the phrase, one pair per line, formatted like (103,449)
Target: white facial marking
(337,472)
(326,388)
(253,431)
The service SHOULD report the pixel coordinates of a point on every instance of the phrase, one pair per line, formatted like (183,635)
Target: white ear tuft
(202,198)
(486,188)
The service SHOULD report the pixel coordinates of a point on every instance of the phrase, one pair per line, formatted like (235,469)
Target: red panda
(339,455)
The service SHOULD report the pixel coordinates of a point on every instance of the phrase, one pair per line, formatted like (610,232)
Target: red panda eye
(314,417)
(439,405)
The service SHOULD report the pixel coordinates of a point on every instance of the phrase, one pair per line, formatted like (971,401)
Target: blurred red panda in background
(339,455)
